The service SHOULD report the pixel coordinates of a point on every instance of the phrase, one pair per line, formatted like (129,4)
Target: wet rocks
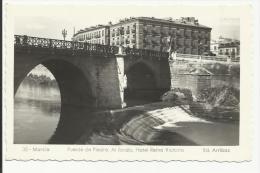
(178,96)
(219,102)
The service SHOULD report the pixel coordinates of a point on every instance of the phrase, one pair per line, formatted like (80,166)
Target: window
(102,33)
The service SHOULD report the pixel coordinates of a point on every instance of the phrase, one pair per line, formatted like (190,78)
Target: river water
(36,113)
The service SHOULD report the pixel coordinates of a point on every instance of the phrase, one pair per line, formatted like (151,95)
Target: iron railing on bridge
(36,42)
(25,42)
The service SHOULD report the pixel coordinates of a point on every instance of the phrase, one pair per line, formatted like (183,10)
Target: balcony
(180,33)
(155,43)
(164,43)
(127,41)
(154,33)
(146,42)
(127,31)
(195,35)
(188,33)
(188,42)
(202,35)
(180,42)
(145,31)
(163,34)
(195,43)
(187,51)
(202,41)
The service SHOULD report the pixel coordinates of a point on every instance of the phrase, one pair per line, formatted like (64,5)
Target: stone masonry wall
(108,83)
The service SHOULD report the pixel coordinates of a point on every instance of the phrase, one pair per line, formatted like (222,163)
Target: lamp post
(64,33)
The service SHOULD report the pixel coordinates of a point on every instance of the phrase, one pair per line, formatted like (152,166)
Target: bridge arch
(140,76)
(75,88)
(76,91)
(141,83)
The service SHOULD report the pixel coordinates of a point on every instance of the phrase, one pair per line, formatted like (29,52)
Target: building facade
(231,49)
(96,35)
(188,36)
(225,46)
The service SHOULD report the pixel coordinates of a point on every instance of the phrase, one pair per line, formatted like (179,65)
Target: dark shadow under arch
(141,85)
(140,77)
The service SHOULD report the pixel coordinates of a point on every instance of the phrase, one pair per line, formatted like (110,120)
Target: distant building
(96,35)
(231,49)
(189,37)
(225,46)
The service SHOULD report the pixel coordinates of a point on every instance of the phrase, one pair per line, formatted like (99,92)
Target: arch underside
(141,84)
(77,100)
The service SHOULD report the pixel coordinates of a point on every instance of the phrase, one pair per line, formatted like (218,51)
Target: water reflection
(36,113)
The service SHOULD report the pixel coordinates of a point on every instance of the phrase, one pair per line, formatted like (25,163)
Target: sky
(48,21)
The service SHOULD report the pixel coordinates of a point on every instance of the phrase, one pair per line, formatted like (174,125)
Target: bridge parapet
(23,43)
(144,53)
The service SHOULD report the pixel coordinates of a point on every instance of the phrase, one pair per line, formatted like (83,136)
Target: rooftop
(90,29)
(231,44)
(188,21)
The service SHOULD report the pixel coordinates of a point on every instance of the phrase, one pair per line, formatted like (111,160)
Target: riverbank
(161,123)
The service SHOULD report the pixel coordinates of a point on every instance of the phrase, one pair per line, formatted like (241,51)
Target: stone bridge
(91,75)
(99,76)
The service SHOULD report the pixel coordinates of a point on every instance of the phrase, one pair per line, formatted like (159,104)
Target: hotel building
(189,37)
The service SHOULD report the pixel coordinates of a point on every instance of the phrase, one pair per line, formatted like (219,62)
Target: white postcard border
(183,153)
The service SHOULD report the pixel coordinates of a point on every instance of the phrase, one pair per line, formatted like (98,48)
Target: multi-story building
(231,49)
(188,35)
(96,35)
(225,46)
